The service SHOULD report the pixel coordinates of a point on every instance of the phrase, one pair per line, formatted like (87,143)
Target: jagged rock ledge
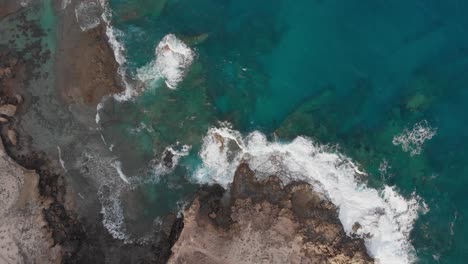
(260,221)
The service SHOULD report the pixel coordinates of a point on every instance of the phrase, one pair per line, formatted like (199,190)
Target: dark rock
(167,159)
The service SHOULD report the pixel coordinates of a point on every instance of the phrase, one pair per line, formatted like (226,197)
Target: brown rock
(266,223)
(12,136)
(8,109)
(212,215)
(3,120)
(19,98)
(93,73)
(5,72)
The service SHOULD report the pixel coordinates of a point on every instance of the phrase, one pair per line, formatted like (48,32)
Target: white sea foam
(99,107)
(101,171)
(413,140)
(141,127)
(65,3)
(384,168)
(173,57)
(103,139)
(62,163)
(24,3)
(118,48)
(106,172)
(118,167)
(177,153)
(88,14)
(386,218)
(113,216)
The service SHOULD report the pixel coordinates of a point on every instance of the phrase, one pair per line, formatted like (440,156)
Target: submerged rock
(263,221)
(195,40)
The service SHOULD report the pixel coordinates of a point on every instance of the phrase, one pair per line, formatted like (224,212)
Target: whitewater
(385,217)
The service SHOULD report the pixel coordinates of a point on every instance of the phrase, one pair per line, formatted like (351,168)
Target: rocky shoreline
(253,222)
(85,64)
(261,221)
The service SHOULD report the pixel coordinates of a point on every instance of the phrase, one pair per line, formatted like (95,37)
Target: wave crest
(173,57)
(385,217)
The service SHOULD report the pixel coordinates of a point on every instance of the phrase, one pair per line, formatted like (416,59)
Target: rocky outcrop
(24,237)
(86,69)
(264,222)
(8,110)
(8,7)
(12,72)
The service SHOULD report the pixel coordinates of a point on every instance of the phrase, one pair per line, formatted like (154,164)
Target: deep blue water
(353,73)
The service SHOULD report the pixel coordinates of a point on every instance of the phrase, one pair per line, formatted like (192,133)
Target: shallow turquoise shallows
(353,73)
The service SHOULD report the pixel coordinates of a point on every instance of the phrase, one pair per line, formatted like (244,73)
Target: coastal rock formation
(12,73)
(23,234)
(86,67)
(8,110)
(261,221)
(9,7)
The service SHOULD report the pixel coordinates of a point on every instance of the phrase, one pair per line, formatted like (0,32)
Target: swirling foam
(87,14)
(173,57)
(118,48)
(386,218)
(413,140)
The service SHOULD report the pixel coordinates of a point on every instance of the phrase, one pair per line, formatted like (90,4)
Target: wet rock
(167,159)
(12,137)
(19,99)
(5,72)
(356,227)
(8,109)
(261,220)
(23,238)
(92,75)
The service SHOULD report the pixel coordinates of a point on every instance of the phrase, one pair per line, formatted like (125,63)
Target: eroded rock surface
(86,69)
(264,222)
(23,234)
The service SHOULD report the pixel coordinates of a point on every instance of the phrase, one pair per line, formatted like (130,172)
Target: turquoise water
(353,73)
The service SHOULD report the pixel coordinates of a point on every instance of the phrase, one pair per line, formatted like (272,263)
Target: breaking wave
(118,49)
(383,217)
(113,35)
(173,57)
